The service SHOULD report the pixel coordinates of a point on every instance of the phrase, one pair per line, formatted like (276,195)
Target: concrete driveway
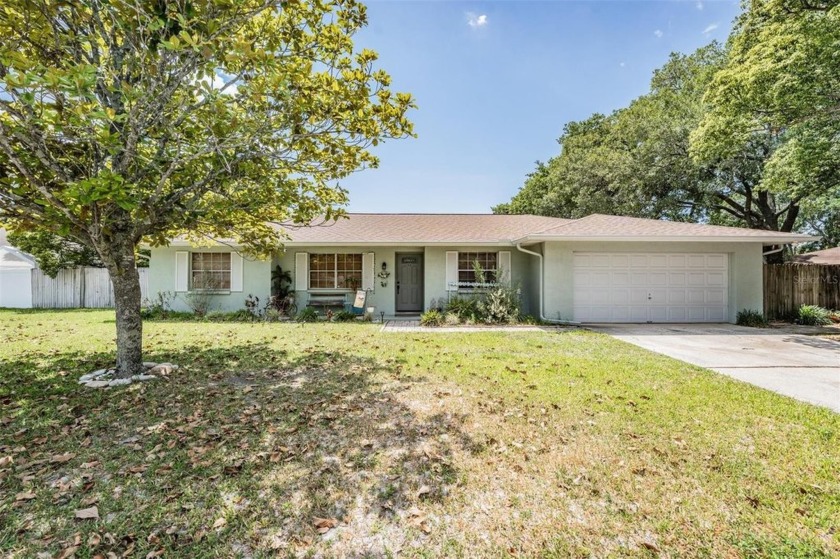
(803,367)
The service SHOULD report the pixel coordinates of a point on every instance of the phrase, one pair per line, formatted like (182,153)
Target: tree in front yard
(132,120)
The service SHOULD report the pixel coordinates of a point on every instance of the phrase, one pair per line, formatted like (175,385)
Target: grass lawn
(336,440)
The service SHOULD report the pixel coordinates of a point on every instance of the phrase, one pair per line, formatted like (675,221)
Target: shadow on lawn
(243,432)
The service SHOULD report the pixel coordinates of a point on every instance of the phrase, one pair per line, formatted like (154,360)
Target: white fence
(78,287)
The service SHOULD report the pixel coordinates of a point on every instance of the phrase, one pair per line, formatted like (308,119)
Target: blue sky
(496,81)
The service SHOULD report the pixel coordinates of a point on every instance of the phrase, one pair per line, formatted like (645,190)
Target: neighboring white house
(595,269)
(15,278)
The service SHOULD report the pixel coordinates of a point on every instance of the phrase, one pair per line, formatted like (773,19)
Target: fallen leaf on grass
(24,496)
(67,552)
(94,540)
(62,458)
(651,546)
(88,501)
(219,523)
(91,513)
(323,525)
(5,460)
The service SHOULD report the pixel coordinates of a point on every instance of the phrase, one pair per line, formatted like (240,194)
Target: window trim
(335,288)
(191,273)
(462,286)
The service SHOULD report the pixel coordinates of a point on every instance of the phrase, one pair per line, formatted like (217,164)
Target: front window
(335,271)
(210,270)
(488,261)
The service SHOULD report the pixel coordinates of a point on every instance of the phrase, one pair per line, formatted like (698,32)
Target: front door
(409,283)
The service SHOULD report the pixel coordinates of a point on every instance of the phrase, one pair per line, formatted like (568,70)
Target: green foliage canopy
(206,117)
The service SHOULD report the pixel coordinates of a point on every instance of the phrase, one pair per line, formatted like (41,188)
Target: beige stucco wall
(256,279)
(745,270)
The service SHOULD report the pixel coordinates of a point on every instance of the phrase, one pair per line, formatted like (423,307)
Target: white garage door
(628,287)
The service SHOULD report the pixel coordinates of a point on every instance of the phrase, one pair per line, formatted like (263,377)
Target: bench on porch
(327,300)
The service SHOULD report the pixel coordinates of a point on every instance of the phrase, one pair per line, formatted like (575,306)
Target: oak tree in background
(746,136)
(781,81)
(144,119)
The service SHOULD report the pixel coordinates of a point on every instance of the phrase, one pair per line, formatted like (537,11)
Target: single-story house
(827,257)
(599,268)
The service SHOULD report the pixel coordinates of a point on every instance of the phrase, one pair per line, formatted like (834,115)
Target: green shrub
(175,316)
(530,319)
(307,314)
(451,319)
(344,316)
(431,318)
(500,305)
(273,315)
(751,318)
(812,315)
(159,306)
(463,307)
(242,315)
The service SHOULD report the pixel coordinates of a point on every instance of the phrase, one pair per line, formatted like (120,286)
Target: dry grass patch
(341,441)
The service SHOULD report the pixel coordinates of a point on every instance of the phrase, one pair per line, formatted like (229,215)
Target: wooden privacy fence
(77,288)
(789,286)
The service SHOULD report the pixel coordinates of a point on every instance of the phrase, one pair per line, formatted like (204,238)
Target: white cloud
(710,28)
(658,33)
(622,64)
(476,20)
(699,5)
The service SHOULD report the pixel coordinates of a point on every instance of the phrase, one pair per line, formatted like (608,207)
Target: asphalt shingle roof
(827,256)
(420,229)
(423,228)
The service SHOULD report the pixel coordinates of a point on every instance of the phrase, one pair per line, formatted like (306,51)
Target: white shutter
(236,269)
(182,271)
(452,270)
(368,271)
(301,271)
(504,266)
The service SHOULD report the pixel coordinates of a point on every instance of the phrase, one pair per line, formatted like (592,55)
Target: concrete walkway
(783,360)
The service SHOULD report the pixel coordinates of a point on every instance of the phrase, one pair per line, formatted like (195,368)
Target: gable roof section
(421,229)
(10,257)
(829,256)
(597,227)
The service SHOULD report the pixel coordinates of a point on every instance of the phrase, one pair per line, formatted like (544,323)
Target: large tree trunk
(129,323)
(127,299)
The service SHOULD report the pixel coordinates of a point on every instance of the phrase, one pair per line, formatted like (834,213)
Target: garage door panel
(716,261)
(657,279)
(657,261)
(716,297)
(600,261)
(620,261)
(638,296)
(716,314)
(672,287)
(715,278)
(619,297)
(678,314)
(600,279)
(696,314)
(695,296)
(657,296)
